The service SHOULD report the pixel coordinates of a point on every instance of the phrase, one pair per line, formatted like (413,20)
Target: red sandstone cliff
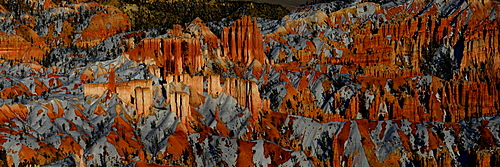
(396,47)
(103,25)
(173,55)
(373,94)
(243,42)
(23,43)
(15,47)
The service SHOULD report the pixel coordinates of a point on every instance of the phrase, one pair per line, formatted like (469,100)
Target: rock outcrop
(102,25)
(383,52)
(242,43)
(174,55)
(406,83)
(14,47)
(32,35)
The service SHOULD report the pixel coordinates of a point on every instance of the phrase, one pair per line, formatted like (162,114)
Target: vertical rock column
(243,41)
(181,55)
(139,101)
(191,53)
(111,83)
(179,103)
(178,94)
(175,55)
(244,91)
(214,87)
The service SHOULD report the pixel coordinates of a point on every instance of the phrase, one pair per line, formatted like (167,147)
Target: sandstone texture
(404,83)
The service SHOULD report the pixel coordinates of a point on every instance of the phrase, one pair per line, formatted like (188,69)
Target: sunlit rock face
(37,27)
(405,83)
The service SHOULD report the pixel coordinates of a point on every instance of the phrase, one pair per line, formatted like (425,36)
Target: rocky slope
(405,83)
(166,13)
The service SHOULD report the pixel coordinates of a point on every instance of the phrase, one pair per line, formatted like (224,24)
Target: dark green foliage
(146,14)
(3,157)
(158,14)
(439,61)
(309,2)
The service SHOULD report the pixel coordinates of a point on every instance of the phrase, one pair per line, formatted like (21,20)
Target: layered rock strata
(410,83)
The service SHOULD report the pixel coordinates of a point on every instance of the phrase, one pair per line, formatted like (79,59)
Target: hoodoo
(404,83)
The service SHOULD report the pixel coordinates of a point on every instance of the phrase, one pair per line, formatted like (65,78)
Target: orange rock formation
(243,42)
